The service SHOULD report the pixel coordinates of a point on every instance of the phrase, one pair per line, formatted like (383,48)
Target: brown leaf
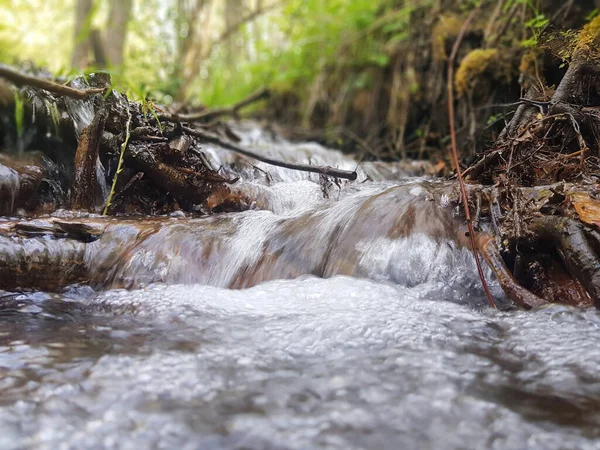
(218,196)
(587,207)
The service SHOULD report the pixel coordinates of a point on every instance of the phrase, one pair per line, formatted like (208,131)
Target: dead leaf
(587,208)
(439,168)
(219,195)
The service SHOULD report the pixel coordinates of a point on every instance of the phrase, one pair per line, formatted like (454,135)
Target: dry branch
(323,170)
(229,110)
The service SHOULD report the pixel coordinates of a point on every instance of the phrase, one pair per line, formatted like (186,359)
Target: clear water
(403,354)
(306,363)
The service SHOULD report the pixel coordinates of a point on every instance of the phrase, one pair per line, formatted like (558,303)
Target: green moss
(446,27)
(588,40)
(473,66)
(530,61)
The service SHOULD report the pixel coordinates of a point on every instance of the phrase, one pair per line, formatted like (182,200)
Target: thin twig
(229,110)
(461,182)
(216,112)
(577,153)
(120,165)
(542,106)
(325,170)
(21,79)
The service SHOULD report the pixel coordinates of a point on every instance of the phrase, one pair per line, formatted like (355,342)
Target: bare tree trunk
(190,43)
(234,9)
(80,58)
(256,33)
(116,31)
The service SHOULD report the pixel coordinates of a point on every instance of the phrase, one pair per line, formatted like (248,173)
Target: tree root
(19,181)
(576,251)
(168,178)
(186,174)
(517,293)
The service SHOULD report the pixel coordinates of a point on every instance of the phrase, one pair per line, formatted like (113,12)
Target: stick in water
(324,170)
(461,182)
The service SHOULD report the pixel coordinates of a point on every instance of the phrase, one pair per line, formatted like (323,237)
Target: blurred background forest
(365,75)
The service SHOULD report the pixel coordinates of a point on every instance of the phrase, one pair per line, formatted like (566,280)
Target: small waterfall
(9,188)
(400,231)
(82,112)
(103,189)
(399,234)
(386,357)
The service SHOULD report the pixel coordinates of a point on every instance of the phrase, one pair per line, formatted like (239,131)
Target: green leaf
(379,59)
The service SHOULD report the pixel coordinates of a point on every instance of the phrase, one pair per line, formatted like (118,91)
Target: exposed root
(577,253)
(517,293)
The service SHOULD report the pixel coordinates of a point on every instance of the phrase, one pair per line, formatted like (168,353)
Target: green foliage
(536,25)
(592,15)
(148,108)
(287,48)
(308,37)
(19,114)
(38,31)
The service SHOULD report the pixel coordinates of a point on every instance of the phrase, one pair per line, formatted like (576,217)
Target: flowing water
(360,323)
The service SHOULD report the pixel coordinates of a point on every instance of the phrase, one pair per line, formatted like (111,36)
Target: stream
(345,320)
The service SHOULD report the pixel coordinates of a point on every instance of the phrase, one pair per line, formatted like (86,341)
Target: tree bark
(116,31)
(189,44)
(233,10)
(83,191)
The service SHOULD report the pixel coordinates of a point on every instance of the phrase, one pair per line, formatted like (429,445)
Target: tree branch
(224,111)
(21,79)
(324,170)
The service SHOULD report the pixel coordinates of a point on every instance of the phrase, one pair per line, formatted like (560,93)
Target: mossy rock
(478,62)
